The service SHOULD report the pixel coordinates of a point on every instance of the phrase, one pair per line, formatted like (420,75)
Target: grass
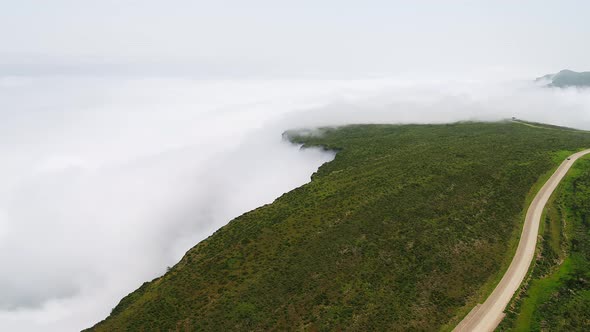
(403,230)
(557,294)
(544,126)
(493,281)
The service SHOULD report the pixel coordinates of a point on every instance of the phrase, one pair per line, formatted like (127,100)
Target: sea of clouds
(107,181)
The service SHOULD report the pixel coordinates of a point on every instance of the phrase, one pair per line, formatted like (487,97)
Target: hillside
(567,78)
(557,295)
(407,228)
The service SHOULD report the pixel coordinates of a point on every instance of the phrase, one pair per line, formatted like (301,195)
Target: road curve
(487,316)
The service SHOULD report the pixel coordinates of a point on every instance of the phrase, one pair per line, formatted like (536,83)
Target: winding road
(487,316)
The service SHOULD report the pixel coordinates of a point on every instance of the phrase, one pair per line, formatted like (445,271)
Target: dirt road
(487,316)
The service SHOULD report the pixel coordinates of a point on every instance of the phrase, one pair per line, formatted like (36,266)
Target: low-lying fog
(107,181)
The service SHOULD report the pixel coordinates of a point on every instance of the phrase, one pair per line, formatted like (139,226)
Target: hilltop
(567,78)
(407,228)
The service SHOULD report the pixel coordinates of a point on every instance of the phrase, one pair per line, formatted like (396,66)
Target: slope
(406,229)
(557,295)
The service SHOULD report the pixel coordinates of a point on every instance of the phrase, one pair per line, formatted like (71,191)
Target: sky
(319,39)
(132,130)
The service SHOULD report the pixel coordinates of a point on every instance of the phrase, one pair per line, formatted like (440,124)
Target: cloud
(107,181)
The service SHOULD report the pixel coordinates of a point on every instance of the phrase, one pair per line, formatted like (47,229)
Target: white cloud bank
(105,182)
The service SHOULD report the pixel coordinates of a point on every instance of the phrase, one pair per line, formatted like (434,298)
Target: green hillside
(557,296)
(406,229)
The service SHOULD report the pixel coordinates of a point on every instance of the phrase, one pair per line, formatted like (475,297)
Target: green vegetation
(567,78)
(545,126)
(557,294)
(402,231)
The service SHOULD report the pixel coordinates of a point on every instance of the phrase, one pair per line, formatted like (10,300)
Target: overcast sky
(297,38)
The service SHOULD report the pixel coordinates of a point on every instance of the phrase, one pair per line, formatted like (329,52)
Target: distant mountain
(567,78)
